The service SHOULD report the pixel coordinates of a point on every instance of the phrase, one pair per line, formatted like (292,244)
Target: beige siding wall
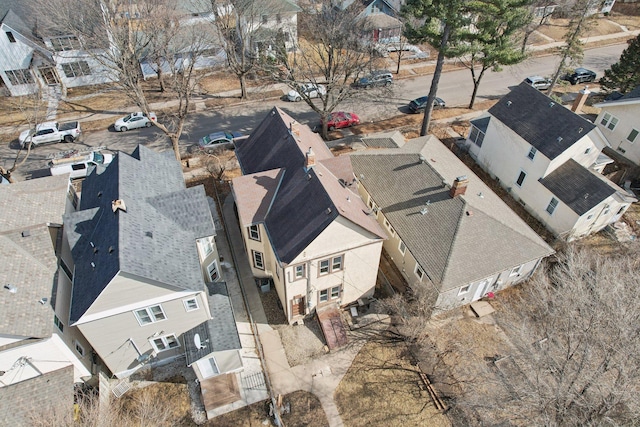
(111,337)
(628,119)
(207,259)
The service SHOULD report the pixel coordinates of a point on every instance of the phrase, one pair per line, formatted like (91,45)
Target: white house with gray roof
(619,121)
(37,367)
(447,230)
(550,160)
(140,252)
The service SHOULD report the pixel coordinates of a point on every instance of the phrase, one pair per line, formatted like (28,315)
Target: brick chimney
(580,100)
(459,186)
(310,159)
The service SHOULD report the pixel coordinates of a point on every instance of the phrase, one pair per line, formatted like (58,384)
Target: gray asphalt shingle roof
(457,240)
(481,123)
(154,239)
(577,187)
(29,261)
(546,125)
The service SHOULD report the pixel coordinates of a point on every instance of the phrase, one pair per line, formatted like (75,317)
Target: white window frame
(189,304)
(206,246)
(210,271)
(532,153)
(323,295)
(321,267)
(258,259)
(20,77)
(419,272)
(464,289)
(76,69)
(58,323)
(478,139)
(633,140)
(515,271)
(303,274)
(152,317)
(254,229)
(609,121)
(340,259)
(166,343)
(555,205)
(330,294)
(330,265)
(523,178)
(65,43)
(402,247)
(78,348)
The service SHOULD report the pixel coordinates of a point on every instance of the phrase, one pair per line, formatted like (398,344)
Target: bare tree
(119,35)
(539,13)
(332,50)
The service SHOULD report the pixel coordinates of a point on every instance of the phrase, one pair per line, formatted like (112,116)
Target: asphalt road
(371,105)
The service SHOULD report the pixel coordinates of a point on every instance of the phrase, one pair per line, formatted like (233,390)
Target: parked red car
(341,119)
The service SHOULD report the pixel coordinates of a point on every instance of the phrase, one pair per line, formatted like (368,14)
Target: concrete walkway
(320,376)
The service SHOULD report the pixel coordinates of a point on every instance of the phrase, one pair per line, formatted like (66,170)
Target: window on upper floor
(476,136)
(551,207)
(151,314)
(58,323)
(521,178)
(633,135)
(65,43)
(254,232)
(212,271)
(532,153)
(587,151)
(190,304)
(330,265)
(258,259)
(206,246)
(10,36)
(300,271)
(515,271)
(79,348)
(609,121)
(464,289)
(165,343)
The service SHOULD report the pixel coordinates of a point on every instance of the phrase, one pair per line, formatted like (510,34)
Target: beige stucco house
(448,232)
(303,222)
(619,121)
(550,160)
(140,270)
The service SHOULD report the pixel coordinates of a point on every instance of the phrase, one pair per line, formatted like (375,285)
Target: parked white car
(310,89)
(78,166)
(134,121)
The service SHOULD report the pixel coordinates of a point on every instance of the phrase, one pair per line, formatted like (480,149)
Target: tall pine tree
(624,75)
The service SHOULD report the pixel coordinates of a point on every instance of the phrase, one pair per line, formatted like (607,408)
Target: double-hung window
(206,246)
(551,207)
(609,121)
(254,232)
(165,343)
(532,153)
(258,260)
(330,265)
(300,271)
(150,314)
(190,304)
(329,294)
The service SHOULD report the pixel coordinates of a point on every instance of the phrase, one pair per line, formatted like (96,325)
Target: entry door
(480,291)
(49,75)
(297,306)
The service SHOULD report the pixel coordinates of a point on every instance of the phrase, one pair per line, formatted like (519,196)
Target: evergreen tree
(624,75)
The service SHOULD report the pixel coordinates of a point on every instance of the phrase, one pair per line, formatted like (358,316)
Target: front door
(49,75)
(297,306)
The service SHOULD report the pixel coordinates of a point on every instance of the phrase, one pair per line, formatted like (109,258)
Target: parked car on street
(134,121)
(78,166)
(419,104)
(310,89)
(342,119)
(538,82)
(377,78)
(50,132)
(218,139)
(580,75)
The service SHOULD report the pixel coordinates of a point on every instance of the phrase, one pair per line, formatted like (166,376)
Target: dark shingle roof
(548,126)
(481,123)
(29,262)
(217,334)
(457,240)
(577,187)
(154,239)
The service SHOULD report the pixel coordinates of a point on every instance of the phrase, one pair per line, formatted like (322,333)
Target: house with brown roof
(447,230)
(550,159)
(303,222)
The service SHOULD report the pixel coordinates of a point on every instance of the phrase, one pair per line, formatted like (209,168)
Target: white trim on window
(419,272)
(212,271)
(551,207)
(330,265)
(149,315)
(532,153)
(329,294)
(164,343)
(515,271)
(258,259)
(609,121)
(299,271)
(58,323)
(206,246)
(521,177)
(402,247)
(191,304)
(79,348)
(633,135)
(464,289)
(254,232)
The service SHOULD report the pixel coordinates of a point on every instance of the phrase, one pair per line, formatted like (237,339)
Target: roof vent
(422,159)
(111,249)
(118,204)
(424,211)
(26,233)
(328,211)
(93,264)
(469,213)
(11,288)
(43,301)
(559,139)
(481,195)
(551,104)
(509,103)
(348,198)
(99,193)
(361,176)
(580,130)
(149,234)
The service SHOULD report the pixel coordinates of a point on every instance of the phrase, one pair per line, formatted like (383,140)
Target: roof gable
(546,125)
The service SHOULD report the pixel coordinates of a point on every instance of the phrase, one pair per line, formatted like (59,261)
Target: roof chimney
(459,186)
(580,100)
(310,160)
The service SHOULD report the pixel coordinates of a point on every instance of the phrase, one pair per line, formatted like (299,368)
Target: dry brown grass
(557,28)
(381,388)
(165,396)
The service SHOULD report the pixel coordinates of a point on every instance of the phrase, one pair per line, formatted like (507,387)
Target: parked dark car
(419,104)
(375,79)
(580,75)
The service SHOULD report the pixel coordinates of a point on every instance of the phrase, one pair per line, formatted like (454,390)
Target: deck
(219,391)
(333,329)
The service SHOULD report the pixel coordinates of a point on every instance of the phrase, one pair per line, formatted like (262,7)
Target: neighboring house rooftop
(455,240)
(152,239)
(29,209)
(578,187)
(385,140)
(300,203)
(632,97)
(220,333)
(381,20)
(543,123)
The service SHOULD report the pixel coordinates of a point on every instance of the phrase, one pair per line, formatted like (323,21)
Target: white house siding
(628,119)
(100,74)
(578,152)
(111,336)
(15,56)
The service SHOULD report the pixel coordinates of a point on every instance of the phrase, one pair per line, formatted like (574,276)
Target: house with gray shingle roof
(447,230)
(303,222)
(139,250)
(550,159)
(33,350)
(619,121)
